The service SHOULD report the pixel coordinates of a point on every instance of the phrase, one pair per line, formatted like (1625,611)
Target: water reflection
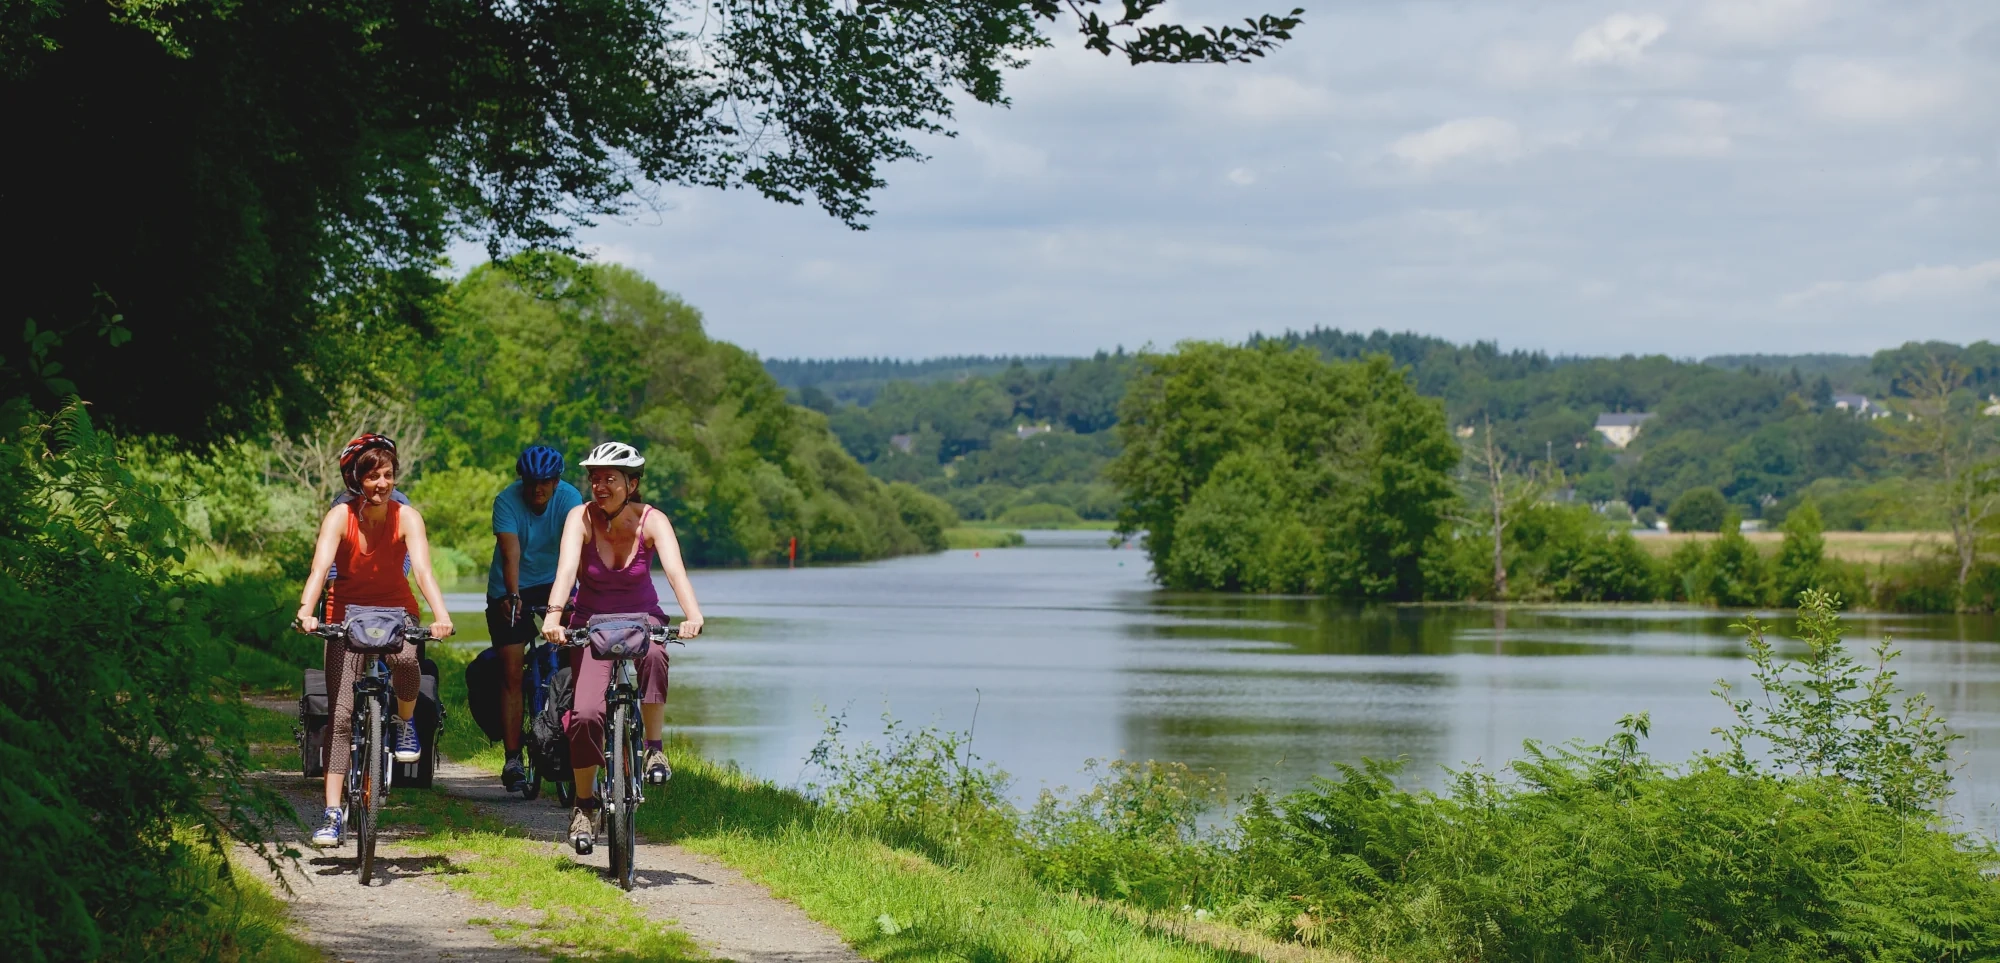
(1069,653)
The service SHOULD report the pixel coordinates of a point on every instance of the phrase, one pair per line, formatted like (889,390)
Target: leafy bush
(1698,510)
(1825,716)
(925,515)
(921,787)
(1040,515)
(114,732)
(1135,835)
(1732,573)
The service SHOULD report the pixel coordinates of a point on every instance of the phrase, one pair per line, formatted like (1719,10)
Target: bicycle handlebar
(334,631)
(661,635)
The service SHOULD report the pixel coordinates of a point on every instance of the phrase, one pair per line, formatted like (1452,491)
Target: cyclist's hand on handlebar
(306,624)
(689,628)
(513,610)
(442,629)
(552,629)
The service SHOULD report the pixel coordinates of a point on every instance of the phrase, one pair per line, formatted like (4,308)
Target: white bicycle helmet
(614,454)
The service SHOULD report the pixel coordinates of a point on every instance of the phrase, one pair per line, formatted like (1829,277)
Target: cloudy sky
(1683,176)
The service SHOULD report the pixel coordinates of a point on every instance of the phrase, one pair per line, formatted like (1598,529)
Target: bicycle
(370,766)
(539,662)
(619,783)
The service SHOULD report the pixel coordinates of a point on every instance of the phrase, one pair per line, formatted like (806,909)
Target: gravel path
(731,917)
(408,914)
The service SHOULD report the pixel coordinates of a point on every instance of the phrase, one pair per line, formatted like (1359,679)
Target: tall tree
(1267,469)
(235,191)
(1955,447)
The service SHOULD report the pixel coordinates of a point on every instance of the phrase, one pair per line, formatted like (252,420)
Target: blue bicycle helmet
(539,463)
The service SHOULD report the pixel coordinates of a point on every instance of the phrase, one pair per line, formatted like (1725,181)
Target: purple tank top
(602,590)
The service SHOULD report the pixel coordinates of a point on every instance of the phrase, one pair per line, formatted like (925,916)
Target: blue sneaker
(331,830)
(407,749)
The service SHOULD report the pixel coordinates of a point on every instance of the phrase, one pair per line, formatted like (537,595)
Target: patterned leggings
(342,668)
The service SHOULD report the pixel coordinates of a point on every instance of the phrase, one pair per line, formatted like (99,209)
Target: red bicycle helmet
(352,453)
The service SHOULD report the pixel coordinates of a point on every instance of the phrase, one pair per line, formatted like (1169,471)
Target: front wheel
(374,785)
(618,821)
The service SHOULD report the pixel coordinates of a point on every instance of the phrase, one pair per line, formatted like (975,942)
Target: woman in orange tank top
(368,537)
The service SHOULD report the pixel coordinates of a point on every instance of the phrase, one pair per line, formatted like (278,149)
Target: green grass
(229,919)
(272,736)
(581,915)
(892,903)
(969,537)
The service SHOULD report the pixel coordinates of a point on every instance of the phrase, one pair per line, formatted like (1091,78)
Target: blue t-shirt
(540,535)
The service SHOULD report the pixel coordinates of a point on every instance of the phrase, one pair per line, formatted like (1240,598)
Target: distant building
(1620,427)
(1025,432)
(1994,408)
(902,443)
(1464,431)
(1859,405)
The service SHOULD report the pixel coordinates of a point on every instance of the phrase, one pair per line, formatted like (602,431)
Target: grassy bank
(1868,548)
(897,898)
(963,537)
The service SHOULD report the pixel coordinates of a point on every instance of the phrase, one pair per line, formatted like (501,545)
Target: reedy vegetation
(1814,835)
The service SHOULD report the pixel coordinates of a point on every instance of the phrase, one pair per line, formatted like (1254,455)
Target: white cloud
(1489,139)
(624,254)
(1621,39)
(1242,177)
(1761,21)
(1869,93)
(1920,282)
(1692,128)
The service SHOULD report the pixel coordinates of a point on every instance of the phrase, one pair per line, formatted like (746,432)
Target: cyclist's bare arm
(567,560)
(331,528)
(417,540)
(661,531)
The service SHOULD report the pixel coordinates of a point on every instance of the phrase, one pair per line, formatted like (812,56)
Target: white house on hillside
(1860,405)
(1620,427)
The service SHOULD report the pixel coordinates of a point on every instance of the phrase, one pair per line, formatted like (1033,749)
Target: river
(1066,652)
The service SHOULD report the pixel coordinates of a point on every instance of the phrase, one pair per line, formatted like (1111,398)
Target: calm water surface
(1069,653)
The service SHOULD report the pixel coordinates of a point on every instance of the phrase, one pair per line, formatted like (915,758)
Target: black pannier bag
(483,693)
(429,719)
(547,739)
(312,728)
(315,714)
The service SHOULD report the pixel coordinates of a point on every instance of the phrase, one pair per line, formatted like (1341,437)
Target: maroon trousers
(592,675)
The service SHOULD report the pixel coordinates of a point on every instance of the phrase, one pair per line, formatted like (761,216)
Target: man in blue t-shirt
(527,537)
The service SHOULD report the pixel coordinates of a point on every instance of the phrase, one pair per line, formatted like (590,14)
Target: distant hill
(859,379)
(1848,368)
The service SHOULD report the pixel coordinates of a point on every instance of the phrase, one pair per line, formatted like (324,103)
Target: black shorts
(527,628)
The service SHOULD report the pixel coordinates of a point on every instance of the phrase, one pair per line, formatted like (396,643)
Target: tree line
(1266,468)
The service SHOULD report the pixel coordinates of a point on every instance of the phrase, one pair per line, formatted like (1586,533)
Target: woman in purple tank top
(607,549)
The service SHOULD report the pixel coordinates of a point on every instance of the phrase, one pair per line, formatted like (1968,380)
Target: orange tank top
(374,577)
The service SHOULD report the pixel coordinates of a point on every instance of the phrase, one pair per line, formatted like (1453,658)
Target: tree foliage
(601,353)
(1263,469)
(296,171)
(114,730)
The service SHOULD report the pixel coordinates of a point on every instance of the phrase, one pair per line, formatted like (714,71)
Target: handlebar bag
(376,629)
(623,636)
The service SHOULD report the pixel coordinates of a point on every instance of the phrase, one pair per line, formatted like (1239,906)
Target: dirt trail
(730,916)
(407,915)
(410,914)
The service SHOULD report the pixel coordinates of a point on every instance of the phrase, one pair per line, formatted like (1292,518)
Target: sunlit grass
(968,537)
(572,912)
(891,903)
